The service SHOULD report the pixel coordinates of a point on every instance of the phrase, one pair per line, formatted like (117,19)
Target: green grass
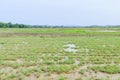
(33,54)
(111,69)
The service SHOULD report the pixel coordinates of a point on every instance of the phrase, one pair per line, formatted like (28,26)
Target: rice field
(60,54)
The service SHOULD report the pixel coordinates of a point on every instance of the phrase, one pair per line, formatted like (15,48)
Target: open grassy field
(60,54)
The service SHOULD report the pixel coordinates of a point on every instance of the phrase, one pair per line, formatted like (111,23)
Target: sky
(61,12)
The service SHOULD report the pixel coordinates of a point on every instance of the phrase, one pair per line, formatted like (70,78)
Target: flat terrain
(60,54)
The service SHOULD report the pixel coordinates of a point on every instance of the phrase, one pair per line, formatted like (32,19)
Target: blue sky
(61,12)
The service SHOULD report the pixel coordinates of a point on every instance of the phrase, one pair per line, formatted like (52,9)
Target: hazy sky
(61,12)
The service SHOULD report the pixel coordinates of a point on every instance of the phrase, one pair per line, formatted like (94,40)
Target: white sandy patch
(70,48)
(70,45)
(106,31)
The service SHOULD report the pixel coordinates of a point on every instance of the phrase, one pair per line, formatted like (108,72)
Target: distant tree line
(11,25)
